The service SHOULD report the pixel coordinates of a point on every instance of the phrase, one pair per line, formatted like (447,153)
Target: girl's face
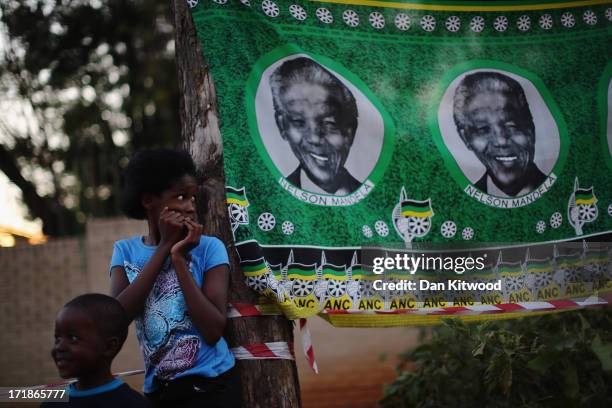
(180,197)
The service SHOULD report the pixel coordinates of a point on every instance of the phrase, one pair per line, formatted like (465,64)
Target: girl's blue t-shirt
(170,344)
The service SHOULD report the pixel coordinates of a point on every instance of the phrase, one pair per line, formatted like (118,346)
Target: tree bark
(266,383)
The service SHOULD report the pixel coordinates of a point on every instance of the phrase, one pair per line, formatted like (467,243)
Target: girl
(174,283)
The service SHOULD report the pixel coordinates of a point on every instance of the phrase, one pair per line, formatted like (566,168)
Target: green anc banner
(355,131)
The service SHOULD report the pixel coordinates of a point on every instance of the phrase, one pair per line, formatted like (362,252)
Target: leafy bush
(555,360)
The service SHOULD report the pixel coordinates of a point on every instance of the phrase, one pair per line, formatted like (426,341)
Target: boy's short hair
(152,171)
(106,312)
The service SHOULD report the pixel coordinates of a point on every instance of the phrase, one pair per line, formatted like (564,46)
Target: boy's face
(180,197)
(79,349)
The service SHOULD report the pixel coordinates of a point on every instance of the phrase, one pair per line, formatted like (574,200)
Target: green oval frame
(602,104)
(289,49)
(455,72)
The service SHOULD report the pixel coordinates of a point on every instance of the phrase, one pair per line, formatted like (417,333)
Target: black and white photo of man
(493,119)
(609,127)
(317,115)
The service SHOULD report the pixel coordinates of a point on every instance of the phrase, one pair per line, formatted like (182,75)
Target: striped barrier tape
(276,350)
(247,310)
(307,345)
(484,309)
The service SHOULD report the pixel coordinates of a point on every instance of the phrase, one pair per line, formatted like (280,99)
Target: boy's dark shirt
(120,397)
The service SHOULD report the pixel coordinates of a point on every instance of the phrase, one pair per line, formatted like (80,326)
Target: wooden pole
(266,383)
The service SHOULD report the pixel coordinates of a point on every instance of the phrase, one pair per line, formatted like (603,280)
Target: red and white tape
(485,309)
(276,350)
(246,310)
(307,345)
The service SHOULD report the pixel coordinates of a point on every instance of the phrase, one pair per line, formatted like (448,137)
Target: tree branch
(55,218)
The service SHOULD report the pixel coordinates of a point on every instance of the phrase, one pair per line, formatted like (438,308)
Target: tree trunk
(266,383)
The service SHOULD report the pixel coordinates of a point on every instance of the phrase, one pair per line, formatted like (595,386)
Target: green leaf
(584,323)
(603,351)
(562,342)
(506,380)
(570,376)
(542,363)
(478,351)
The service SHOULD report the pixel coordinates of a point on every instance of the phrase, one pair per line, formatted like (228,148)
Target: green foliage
(557,360)
(93,80)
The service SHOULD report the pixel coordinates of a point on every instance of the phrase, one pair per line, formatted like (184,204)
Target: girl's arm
(207,306)
(133,296)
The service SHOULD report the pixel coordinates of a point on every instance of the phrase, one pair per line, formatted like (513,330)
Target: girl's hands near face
(171,227)
(194,231)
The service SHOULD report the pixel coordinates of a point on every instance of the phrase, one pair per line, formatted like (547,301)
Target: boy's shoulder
(129,397)
(122,396)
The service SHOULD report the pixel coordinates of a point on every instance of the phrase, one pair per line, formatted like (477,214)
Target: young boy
(89,332)
(174,282)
